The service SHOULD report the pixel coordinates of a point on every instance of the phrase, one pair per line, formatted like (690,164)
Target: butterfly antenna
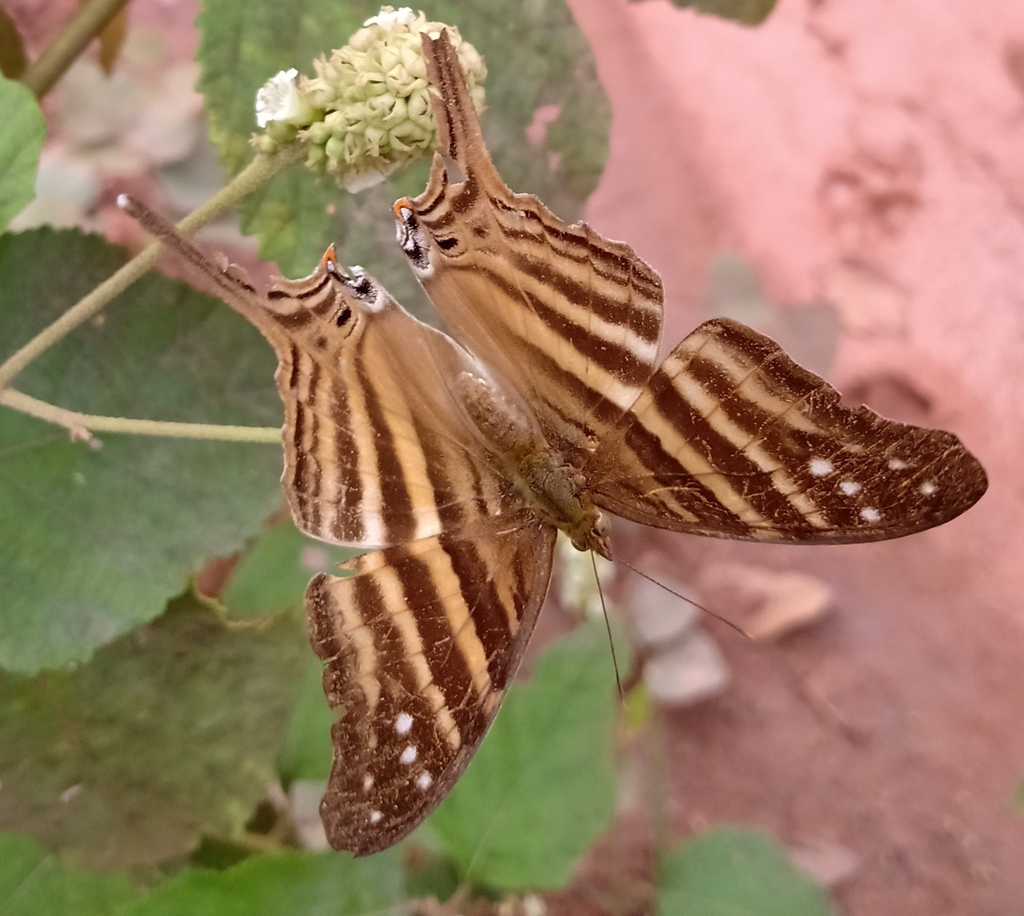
(672,591)
(608,627)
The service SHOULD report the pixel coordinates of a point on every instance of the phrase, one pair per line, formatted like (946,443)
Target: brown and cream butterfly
(460,459)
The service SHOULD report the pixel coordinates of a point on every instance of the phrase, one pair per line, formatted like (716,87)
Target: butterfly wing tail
(226,281)
(458,127)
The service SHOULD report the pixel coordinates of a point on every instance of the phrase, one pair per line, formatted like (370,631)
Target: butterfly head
(590,530)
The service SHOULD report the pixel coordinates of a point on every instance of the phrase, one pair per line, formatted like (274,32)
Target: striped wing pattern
(733,439)
(419,650)
(578,342)
(377,451)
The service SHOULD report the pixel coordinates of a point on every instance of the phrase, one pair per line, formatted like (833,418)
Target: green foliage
(735,872)
(33,883)
(94,541)
(536,56)
(305,751)
(168,732)
(748,12)
(290,883)
(21,140)
(541,788)
(273,572)
(271,576)
(283,884)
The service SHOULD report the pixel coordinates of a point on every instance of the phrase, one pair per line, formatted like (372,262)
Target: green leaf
(748,12)
(730,871)
(168,732)
(283,884)
(536,56)
(305,751)
(542,786)
(32,883)
(272,575)
(275,569)
(21,140)
(94,541)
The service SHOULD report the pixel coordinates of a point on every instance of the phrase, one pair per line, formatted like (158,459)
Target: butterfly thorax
(546,481)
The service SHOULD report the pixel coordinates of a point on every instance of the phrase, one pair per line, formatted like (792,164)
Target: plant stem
(49,67)
(257,173)
(82,425)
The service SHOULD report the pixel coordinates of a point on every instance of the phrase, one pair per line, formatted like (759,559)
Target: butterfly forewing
(377,450)
(733,439)
(419,649)
(567,318)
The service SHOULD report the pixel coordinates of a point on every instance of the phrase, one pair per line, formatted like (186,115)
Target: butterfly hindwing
(419,648)
(733,439)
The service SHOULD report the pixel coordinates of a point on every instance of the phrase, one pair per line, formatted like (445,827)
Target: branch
(83,425)
(49,67)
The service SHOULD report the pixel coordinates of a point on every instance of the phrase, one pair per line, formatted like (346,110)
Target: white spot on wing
(424,781)
(897,464)
(870,514)
(850,487)
(403,723)
(928,487)
(367,782)
(375,817)
(408,755)
(821,467)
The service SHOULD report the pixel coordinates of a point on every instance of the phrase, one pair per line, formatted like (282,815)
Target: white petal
(278,98)
(388,17)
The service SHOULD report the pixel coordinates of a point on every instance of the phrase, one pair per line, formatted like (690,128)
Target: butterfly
(459,458)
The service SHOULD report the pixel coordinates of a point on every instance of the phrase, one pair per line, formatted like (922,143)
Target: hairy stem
(82,425)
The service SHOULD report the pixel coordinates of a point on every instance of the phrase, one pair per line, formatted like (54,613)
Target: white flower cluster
(367,111)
